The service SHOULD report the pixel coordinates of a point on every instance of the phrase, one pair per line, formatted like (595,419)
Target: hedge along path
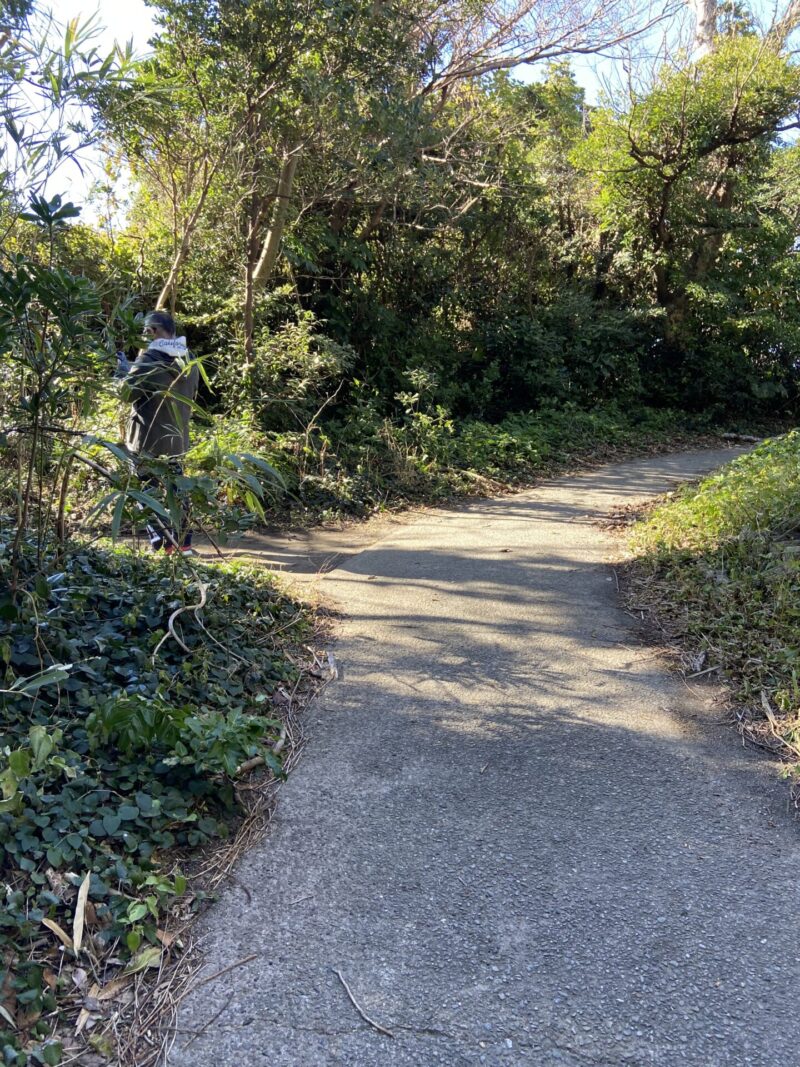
(514,838)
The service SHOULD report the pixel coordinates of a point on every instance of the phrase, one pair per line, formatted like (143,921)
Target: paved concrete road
(517,838)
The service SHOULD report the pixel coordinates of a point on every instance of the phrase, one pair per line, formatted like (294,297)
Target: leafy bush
(295,369)
(573,349)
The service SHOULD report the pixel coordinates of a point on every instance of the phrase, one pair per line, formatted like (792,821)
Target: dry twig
(219,974)
(708,670)
(179,611)
(359,1009)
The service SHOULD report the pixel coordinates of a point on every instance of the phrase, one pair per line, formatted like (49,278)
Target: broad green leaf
(9,783)
(116,518)
(55,857)
(111,823)
(148,957)
(137,911)
(115,450)
(59,672)
(42,744)
(20,762)
(150,502)
(52,1053)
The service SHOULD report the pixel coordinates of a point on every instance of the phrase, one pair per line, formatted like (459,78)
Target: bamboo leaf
(149,502)
(62,935)
(80,913)
(116,519)
(59,672)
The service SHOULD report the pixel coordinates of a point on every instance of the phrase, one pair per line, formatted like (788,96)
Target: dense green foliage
(371,461)
(719,563)
(116,747)
(404,274)
(512,244)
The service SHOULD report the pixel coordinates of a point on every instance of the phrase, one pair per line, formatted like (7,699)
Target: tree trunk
(705,13)
(374,220)
(343,207)
(272,243)
(705,256)
(606,250)
(249,280)
(169,290)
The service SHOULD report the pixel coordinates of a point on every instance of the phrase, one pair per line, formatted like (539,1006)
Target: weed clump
(357,466)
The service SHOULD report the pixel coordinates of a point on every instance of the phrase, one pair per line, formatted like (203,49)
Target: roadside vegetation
(718,566)
(404,275)
(127,720)
(427,456)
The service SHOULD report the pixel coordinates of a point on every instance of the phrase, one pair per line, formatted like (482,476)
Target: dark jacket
(161,388)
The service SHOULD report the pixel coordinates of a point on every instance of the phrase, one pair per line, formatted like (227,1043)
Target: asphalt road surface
(515,836)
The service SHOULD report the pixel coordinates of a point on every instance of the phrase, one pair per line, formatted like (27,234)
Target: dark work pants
(159,531)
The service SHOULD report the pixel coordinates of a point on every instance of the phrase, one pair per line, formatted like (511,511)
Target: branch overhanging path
(514,837)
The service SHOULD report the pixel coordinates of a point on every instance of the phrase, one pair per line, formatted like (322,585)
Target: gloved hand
(123,365)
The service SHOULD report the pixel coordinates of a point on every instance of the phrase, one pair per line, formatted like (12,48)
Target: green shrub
(356,465)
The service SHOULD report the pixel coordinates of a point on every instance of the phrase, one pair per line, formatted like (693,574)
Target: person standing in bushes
(161,385)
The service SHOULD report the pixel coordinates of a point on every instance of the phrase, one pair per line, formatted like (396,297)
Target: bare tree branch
(786,24)
(505,33)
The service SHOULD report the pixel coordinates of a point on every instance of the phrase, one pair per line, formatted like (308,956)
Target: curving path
(518,838)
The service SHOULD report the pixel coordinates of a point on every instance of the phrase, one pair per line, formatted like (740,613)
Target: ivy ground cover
(120,740)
